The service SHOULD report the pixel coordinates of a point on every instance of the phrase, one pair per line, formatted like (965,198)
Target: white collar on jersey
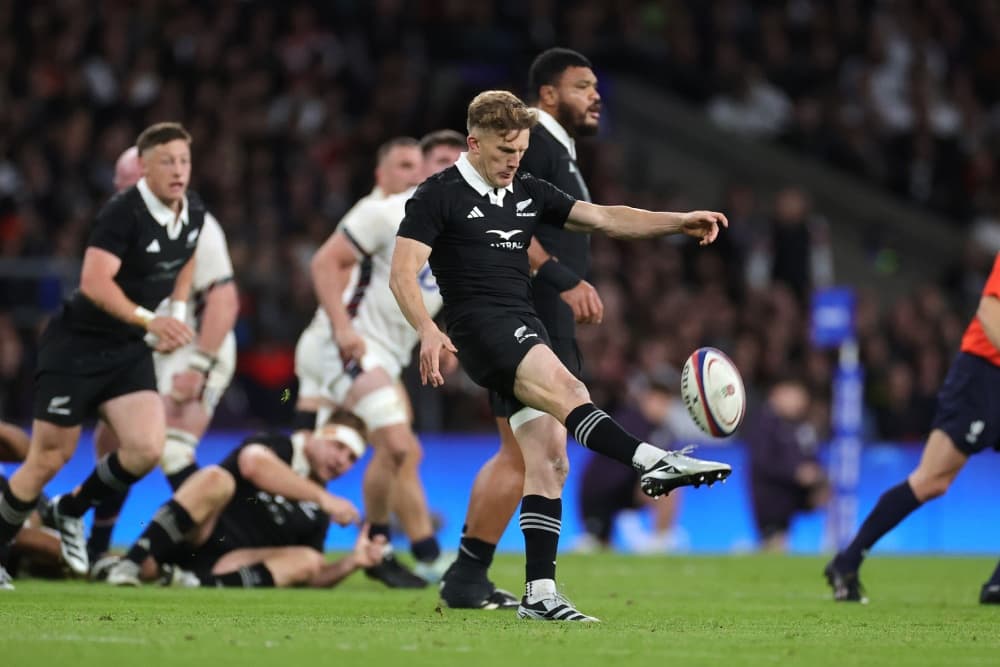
(162,213)
(377,193)
(478,183)
(556,129)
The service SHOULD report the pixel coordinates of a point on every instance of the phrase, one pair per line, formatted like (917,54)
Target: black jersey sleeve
(113,228)
(554,204)
(424,220)
(279,444)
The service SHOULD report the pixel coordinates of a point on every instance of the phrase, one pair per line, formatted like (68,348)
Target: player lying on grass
(257,519)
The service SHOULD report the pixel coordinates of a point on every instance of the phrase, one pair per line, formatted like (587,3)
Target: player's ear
(473,143)
(548,95)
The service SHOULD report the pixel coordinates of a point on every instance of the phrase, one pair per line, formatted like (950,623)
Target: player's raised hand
(169,333)
(432,341)
(350,344)
(585,303)
(341,510)
(703,225)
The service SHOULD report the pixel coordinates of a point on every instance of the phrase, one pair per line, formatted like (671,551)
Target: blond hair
(501,112)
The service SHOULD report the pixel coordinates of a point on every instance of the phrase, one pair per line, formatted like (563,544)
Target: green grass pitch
(721,611)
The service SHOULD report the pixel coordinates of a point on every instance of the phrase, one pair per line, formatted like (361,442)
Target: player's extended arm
(97,283)
(407,260)
(625,222)
(331,268)
(989,316)
(262,467)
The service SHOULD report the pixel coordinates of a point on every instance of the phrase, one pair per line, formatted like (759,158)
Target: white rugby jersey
(211,265)
(371,226)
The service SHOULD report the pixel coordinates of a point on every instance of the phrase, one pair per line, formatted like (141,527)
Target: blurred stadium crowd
(287,103)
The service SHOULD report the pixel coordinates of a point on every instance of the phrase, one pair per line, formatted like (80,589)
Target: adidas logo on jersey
(192,237)
(154,246)
(475,213)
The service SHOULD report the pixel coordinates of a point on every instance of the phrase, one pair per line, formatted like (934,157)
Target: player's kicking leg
(543,383)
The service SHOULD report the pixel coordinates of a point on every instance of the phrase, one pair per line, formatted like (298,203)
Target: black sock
(894,506)
(995,579)
(304,420)
(108,479)
(426,550)
(167,529)
(105,517)
(476,553)
(249,576)
(13,513)
(376,529)
(594,429)
(175,479)
(541,521)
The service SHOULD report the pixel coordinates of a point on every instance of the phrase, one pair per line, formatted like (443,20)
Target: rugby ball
(713,392)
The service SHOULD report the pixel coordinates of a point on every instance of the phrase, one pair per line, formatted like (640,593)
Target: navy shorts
(491,348)
(568,352)
(968,405)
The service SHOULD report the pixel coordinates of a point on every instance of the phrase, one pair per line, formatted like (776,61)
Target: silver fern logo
(976,429)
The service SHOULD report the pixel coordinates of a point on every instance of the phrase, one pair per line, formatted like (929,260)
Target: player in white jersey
(397,168)
(371,343)
(192,378)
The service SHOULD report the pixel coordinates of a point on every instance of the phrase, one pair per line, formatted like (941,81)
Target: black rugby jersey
(547,158)
(151,260)
(256,518)
(479,236)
